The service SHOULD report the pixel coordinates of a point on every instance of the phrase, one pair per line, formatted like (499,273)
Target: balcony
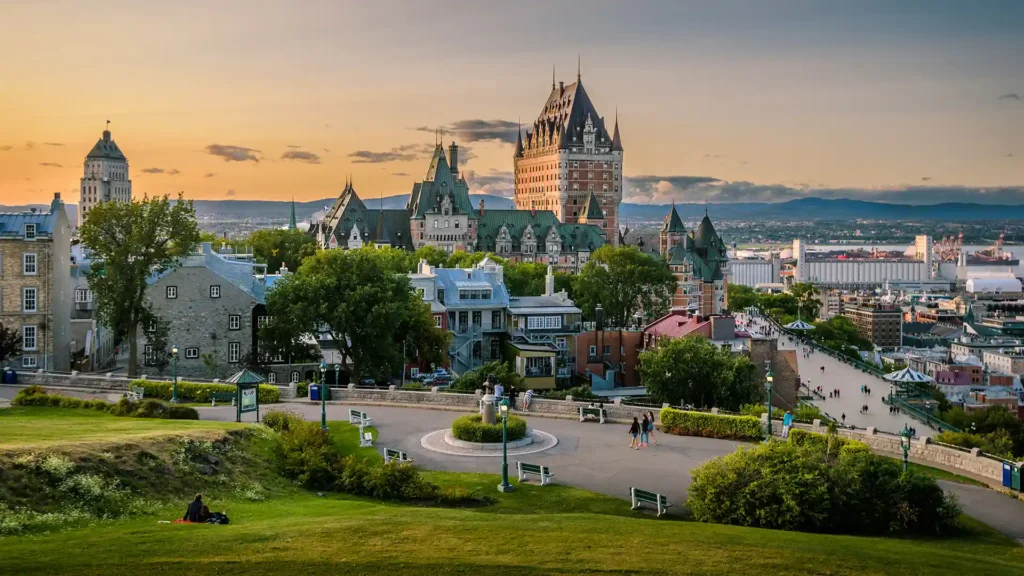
(597,358)
(539,372)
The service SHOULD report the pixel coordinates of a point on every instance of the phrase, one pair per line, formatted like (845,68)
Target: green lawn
(940,474)
(34,426)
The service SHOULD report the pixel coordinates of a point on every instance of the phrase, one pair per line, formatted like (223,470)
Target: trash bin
(1015,478)
(10,376)
(1007,474)
(314,392)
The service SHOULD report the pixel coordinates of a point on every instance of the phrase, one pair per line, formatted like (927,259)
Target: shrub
(807,413)
(709,425)
(183,413)
(150,408)
(281,420)
(820,441)
(302,390)
(754,410)
(414,386)
(307,455)
(26,392)
(201,391)
(787,486)
(472,429)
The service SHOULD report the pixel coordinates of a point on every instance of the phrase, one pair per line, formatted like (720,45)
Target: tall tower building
(567,155)
(106,176)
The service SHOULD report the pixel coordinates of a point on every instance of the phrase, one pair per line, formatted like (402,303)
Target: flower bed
(472,429)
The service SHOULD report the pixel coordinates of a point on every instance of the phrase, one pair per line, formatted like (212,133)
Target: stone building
(699,261)
(567,155)
(106,176)
(215,304)
(35,285)
(439,213)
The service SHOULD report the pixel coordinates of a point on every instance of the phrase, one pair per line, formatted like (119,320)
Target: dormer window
(30,231)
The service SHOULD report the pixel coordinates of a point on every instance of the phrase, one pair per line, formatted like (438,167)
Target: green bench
(136,393)
(398,455)
(595,413)
(640,497)
(222,397)
(361,418)
(536,469)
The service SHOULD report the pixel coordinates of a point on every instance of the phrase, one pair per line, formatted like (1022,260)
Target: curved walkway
(597,457)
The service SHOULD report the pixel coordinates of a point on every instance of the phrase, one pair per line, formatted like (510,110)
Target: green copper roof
(705,251)
(292,224)
(106,148)
(245,377)
(674,223)
(594,211)
(574,237)
(705,233)
(427,196)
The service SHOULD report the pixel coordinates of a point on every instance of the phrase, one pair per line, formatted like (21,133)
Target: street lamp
(323,396)
(768,386)
(504,486)
(892,392)
(174,374)
(337,375)
(905,444)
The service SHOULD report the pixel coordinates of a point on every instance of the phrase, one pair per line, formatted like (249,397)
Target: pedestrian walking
(512,397)
(844,417)
(650,429)
(787,422)
(634,431)
(644,437)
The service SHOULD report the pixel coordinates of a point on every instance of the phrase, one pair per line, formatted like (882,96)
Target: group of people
(865,390)
(199,513)
(513,394)
(894,409)
(864,409)
(834,393)
(642,431)
(806,352)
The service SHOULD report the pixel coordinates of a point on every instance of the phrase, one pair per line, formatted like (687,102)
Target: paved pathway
(597,457)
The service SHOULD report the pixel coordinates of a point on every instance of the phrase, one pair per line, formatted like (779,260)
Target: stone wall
(103,382)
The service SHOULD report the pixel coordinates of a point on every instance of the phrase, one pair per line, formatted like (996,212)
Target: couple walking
(642,431)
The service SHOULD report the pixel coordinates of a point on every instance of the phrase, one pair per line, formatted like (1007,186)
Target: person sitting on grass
(194,513)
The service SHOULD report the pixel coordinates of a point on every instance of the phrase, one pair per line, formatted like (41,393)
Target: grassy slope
(940,474)
(34,426)
(535,530)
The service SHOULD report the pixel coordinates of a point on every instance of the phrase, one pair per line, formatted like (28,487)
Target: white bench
(361,418)
(365,438)
(595,413)
(536,469)
(135,393)
(398,455)
(640,497)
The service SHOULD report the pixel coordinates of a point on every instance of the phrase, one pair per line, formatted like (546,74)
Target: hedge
(685,423)
(36,396)
(805,438)
(472,429)
(200,391)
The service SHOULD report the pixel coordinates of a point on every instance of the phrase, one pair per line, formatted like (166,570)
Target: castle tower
(672,232)
(567,154)
(106,176)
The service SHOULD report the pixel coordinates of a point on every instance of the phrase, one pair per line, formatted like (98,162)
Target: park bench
(222,397)
(640,497)
(365,438)
(595,413)
(357,417)
(398,455)
(543,471)
(136,393)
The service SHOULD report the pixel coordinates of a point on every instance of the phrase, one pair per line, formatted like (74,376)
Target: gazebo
(799,325)
(907,379)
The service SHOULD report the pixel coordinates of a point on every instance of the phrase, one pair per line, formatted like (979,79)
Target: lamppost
(768,386)
(905,444)
(174,374)
(892,393)
(323,395)
(504,486)
(337,374)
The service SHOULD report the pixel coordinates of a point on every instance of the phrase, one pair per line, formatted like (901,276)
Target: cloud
(294,146)
(1011,96)
(230,193)
(404,153)
(1009,154)
(479,130)
(174,172)
(493,182)
(53,144)
(328,150)
(301,156)
(153,170)
(30,145)
(50,164)
(925,178)
(209,175)
(664,189)
(233,153)
(6,148)
(399,174)
(714,155)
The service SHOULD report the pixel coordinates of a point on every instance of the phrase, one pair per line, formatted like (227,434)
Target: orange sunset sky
(918,102)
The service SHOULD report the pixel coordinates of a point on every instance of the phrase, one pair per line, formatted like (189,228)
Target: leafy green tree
(130,242)
(529,278)
(625,282)
(474,379)
(432,254)
(367,309)
(806,295)
(741,297)
(10,343)
(692,370)
(273,246)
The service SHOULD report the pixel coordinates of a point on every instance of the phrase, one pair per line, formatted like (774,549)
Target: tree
(625,282)
(158,331)
(273,246)
(475,378)
(806,295)
(368,311)
(131,242)
(741,297)
(10,343)
(692,370)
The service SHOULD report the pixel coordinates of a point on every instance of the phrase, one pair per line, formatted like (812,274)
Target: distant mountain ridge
(801,209)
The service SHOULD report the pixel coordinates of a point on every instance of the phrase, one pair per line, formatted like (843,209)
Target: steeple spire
(292,224)
(519,140)
(552,76)
(579,59)
(616,140)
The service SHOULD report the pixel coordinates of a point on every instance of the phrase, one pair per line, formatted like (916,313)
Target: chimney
(283,270)
(481,206)
(56,195)
(453,157)
(549,283)
(561,88)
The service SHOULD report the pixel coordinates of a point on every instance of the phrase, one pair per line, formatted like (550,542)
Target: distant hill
(802,209)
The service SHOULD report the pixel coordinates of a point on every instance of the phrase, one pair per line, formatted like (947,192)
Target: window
(28,338)
(215,291)
(262,321)
(560,343)
(29,362)
(191,353)
(447,223)
(172,292)
(437,321)
(272,378)
(234,322)
(29,300)
(496,319)
(83,295)
(294,376)
(435,223)
(421,292)
(30,231)
(593,350)
(552,321)
(28,264)
(234,352)
(456,224)
(477,318)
